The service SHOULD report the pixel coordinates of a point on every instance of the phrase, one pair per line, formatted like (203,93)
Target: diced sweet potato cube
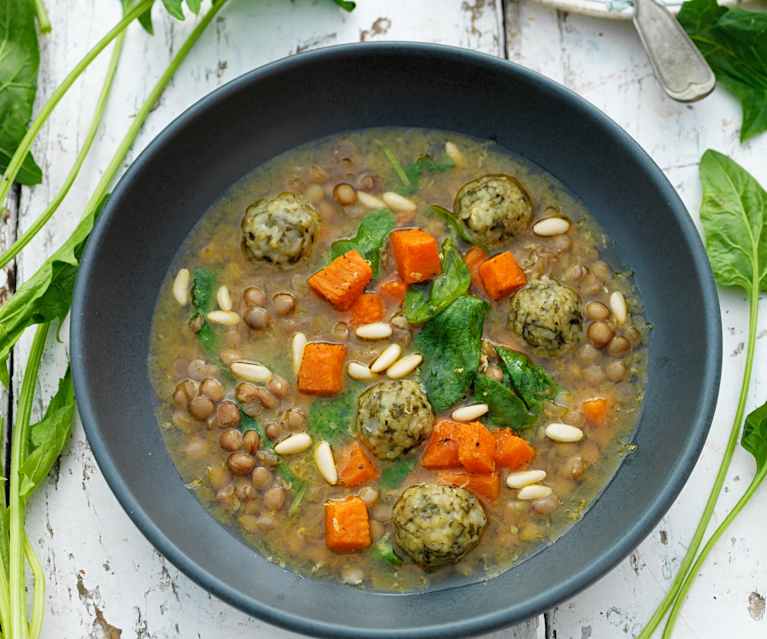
(347,527)
(343,280)
(417,255)
(483,485)
(501,275)
(356,467)
(595,411)
(442,447)
(367,309)
(511,451)
(474,258)
(322,369)
(476,448)
(393,289)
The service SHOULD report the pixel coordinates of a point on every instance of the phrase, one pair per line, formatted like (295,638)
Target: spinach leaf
(532,383)
(331,418)
(250,423)
(455,225)
(297,486)
(450,343)
(346,5)
(48,437)
(371,236)
(384,551)
(424,301)
(505,406)
(203,297)
(734,43)
(754,438)
(394,474)
(733,213)
(424,164)
(47,295)
(19,62)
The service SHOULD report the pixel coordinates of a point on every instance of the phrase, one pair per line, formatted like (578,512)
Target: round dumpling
(281,229)
(436,524)
(494,208)
(393,417)
(546,314)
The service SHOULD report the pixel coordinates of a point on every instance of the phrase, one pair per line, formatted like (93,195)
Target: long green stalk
(38,594)
(752,488)
(98,114)
(17,628)
(5,602)
(721,475)
(34,128)
(42,17)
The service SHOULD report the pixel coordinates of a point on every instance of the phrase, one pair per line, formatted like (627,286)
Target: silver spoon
(680,68)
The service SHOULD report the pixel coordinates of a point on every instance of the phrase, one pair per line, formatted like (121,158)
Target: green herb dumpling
(494,208)
(393,417)
(547,316)
(281,229)
(436,524)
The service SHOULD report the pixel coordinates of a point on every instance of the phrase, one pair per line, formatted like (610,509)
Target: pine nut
(454,153)
(563,433)
(536,491)
(299,343)
(618,306)
(323,457)
(294,444)
(551,226)
(390,355)
(360,372)
(370,201)
(396,202)
(405,366)
(469,413)
(376,330)
(181,286)
(524,478)
(225,318)
(224,299)
(251,372)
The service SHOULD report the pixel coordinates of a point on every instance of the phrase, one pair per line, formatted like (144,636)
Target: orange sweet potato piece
(474,258)
(322,369)
(393,289)
(476,448)
(347,527)
(356,468)
(367,309)
(442,447)
(501,275)
(416,254)
(483,485)
(343,280)
(595,411)
(511,451)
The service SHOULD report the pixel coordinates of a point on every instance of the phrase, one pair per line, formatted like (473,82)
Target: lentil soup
(397,358)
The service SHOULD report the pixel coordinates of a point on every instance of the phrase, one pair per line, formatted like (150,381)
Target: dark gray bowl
(305,97)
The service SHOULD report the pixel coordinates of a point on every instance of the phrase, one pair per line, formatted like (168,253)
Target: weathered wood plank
(104,578)
(604,62)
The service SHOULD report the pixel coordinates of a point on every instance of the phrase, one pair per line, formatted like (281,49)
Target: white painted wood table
(104,579)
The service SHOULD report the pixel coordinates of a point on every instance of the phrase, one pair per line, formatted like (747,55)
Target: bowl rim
(514,613)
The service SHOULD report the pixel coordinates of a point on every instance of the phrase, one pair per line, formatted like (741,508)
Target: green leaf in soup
(394,474)
(734,43)
(331,418)
(47,295)
(423,165)
(203,296)
(506,408)
(450,344)
(250,423)
(754,438)
(370,239)
(424,301)
(733,213)
(19,63)
(48,437)
(384,551)
(453,223)
(531,383)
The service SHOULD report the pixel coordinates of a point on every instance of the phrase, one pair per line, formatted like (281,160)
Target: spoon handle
(678,65)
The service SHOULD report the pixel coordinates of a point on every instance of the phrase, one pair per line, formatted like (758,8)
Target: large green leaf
(19,62)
